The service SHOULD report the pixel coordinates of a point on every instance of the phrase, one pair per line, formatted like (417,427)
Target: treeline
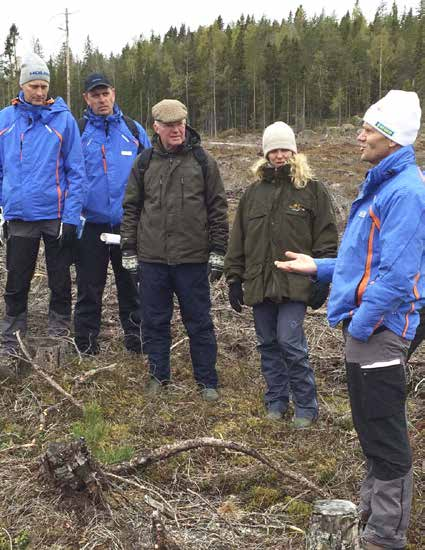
(247,74)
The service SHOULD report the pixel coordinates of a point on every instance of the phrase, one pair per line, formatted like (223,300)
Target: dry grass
(207,498)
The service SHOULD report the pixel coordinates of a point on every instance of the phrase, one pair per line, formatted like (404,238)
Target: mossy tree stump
(334,525)
(49,353)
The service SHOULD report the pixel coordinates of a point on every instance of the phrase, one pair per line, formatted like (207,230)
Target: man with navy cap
(377,287)
(111,142)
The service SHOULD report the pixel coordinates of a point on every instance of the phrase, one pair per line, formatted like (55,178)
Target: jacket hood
(43,112)
(192,139)
(100,120)
(297,168)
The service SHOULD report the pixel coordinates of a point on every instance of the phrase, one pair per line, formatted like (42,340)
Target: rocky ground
(208,497)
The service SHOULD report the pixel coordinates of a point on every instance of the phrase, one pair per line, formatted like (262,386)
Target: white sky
(111,25)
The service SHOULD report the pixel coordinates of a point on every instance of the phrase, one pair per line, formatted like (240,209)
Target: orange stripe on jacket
(415,286)
(58,187)
(406,325)
(375,219)
(412,305)
(366,276)
(4,130)
(105,167)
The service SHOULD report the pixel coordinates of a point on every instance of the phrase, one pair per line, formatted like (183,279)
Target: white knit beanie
(397,116)
(33,68)
(278,136)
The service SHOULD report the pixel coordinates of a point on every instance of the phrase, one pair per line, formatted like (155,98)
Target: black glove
(67,235)
(236,296)
(130,261)
(215,266)
(318,294)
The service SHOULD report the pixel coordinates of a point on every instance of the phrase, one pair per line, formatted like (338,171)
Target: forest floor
(208,498)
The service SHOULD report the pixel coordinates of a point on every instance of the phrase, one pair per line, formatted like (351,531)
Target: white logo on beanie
(33,68)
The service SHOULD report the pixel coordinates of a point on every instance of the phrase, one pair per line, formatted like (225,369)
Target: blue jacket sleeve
(143,136)
(325,269)
(401,243)
(76,184)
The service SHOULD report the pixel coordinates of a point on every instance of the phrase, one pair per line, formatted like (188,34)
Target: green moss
(19,542)
(299,510)
(261,498)
(103,438)
(326,470)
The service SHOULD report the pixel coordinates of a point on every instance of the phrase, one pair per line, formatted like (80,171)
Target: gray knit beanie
(33,68)
(278,136)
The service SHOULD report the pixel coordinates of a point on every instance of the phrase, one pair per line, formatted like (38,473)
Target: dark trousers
(159,283)
(284,357)
(377,390)
(91,262)
(21,259)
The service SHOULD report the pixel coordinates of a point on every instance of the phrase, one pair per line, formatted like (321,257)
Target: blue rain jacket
(42,175)
(110,150)
(378,277)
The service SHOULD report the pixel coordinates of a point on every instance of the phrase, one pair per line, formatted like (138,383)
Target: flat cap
(169,110)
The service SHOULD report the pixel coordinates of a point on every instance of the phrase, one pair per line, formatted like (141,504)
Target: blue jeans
(284,357)
(159,283)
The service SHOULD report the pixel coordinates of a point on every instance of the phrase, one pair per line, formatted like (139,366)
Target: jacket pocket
(253,284)
(384,390)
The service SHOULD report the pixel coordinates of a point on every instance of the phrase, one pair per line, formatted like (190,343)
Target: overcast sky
(111,25)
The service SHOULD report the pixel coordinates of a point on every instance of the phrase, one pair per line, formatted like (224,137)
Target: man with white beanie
(42,183)
(377,288)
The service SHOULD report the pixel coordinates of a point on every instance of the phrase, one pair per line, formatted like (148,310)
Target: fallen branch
(46,377)
(167,451)
(81,378)
(18,447)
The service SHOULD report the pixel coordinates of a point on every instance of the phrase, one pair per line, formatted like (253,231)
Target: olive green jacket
(273,217)
(171,215)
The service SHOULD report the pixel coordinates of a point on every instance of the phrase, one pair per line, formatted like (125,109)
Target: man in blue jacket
(111,142)
(42,183)
(377,287)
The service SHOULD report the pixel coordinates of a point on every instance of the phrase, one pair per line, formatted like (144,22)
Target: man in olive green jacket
(175,230)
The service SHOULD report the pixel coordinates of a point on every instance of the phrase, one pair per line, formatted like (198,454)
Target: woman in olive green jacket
(286,209)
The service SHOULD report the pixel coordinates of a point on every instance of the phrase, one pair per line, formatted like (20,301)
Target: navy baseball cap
(94,80)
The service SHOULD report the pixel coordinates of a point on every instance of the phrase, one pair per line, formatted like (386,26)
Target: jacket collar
(192,139)
(390,166)
(100,120)
(278,175)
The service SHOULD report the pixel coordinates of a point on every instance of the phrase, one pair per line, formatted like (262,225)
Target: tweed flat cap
(169,110)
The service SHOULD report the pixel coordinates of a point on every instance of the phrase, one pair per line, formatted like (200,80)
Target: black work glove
(130,262)
(318,294)
(215,266)
(236,296)
(67,235)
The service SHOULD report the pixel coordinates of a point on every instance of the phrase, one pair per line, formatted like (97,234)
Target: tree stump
(49,353)
(71,467)
(334,525)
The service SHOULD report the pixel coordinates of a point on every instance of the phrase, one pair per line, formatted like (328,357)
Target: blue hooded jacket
(42,175)
(109,150)
(378,277)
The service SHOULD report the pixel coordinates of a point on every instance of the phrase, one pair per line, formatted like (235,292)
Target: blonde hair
(300,170)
